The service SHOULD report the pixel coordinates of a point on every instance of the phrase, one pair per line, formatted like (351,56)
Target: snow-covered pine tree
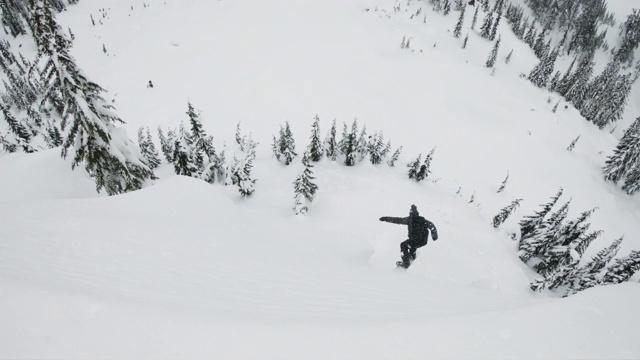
(632,181)
(630,38)
(414,168)
(487,24)
(362,145)
(622,269)
(504,184)
(394,157)
(148,148)
(563,84)
(284,147)
(553,84)
(330,143)
(21,134)
(505,213)
(184,162)
(457,31)
(564,250)
(13,13)
(530,37)
(303,187)
(240,172)
(573,144)
(496,23)
(491,61)
(349,144)
(508,58)
(447,7)
(545,237)
(465,41)
(588,275)
(315,146)
(626,156)
(167,144)
(576,92)
(540,74)
(475,18)
(91,137)
(538,45)
(377,148)
(530,224)
(425,170)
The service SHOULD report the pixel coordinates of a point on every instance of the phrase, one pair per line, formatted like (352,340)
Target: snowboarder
(419,228)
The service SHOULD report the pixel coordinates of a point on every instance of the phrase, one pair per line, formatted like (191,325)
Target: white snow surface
(185,269)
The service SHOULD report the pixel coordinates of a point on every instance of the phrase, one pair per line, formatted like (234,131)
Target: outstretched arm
(433,230)
(395,220)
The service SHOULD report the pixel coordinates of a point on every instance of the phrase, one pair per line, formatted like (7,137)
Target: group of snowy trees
(554,246)
(192,153)
(50,102)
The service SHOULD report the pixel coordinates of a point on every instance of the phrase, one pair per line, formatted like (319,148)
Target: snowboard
(402,264)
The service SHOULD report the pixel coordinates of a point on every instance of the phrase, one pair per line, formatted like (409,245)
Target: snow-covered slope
(186,269)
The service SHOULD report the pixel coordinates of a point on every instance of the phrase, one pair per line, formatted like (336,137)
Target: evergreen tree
(529,39)
(458,29)
(567,248)
(349,144)
(626,156)
(487,24)
(540,74)
(494,27)
(539,45)
(508,58)
(553,84)
(284,147)
(577,84)
(377,149)
(586,26)
(588,275)
(22,135)
(425,170)
(304,188)
(240,172)
(475,18)
(505,213)
(91,137)
(167,144)
(414,168)
(464,42)
(622,269)
(530,224)
(315,146)
(630,38)
(447,7)
(184,161)
(330,143)
(573,143)
(147,148)
(394,157)
(544,238)
(491,61)
(504,184)
(632,181)
(362,145)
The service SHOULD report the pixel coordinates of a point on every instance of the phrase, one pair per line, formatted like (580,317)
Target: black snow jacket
(419,227)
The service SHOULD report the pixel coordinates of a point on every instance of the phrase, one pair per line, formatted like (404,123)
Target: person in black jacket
(419,229)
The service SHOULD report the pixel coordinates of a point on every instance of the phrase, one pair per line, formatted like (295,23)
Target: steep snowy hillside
(183,268)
